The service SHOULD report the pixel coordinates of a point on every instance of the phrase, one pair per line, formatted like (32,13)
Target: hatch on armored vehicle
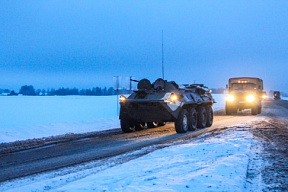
(154,104)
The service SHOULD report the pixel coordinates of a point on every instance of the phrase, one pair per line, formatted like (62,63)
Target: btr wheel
(140,126)
(259,109)
(209,112)
(192,120)
(201,117)
(162,123)
(181,124)
(152,124)
(127,126)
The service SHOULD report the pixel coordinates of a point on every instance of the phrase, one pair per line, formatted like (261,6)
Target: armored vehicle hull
(155,104)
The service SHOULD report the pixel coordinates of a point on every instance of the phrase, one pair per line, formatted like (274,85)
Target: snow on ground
(284,98)
(35,117)
(25,117)
(216,163)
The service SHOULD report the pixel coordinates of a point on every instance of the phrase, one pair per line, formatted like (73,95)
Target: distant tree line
(95,91)
(5,91)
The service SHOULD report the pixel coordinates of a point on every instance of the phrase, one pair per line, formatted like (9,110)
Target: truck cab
(276,95)
(244,93)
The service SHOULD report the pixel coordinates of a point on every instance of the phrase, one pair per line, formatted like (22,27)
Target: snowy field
(28,117)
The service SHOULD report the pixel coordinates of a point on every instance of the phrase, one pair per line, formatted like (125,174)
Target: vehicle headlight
(173,97)
(264,96)
(230,98)
(122,98)
(250,98)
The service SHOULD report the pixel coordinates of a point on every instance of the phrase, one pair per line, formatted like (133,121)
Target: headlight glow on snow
(230,98)
(250,98)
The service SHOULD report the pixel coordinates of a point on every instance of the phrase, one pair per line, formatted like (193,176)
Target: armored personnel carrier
(190,106)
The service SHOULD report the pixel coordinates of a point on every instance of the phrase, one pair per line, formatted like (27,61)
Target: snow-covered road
(209,163)
(230,159)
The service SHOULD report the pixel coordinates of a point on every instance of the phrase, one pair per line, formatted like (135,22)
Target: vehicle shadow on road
(246,112)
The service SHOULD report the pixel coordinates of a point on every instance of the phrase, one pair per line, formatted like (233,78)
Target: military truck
(276,95)
(189,106)
(244,93)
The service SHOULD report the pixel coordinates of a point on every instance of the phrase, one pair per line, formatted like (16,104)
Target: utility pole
(116,87)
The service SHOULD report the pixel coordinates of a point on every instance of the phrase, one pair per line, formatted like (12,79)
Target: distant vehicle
(276,95)
(244,93)
(164,101)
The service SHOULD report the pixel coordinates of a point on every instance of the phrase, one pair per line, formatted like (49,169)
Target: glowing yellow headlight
(230,98)
(122,98)
(173,97)
(250,98)
(264,96)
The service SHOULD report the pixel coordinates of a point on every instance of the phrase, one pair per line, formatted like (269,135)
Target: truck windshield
(248,86)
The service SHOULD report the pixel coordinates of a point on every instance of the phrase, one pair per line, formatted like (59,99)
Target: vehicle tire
(259,109)
(152,124)
(140,126)
(127,126)
(161,123)
(234,110)
(209,112)
(192,120)
(228,110)
(181,124)
(254,110)
(201,117)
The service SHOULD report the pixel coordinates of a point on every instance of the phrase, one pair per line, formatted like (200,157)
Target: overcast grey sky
(55,43)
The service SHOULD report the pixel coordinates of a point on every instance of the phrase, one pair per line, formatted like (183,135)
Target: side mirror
(226,86)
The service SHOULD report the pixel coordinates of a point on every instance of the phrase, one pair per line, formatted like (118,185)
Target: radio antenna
(162,57)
